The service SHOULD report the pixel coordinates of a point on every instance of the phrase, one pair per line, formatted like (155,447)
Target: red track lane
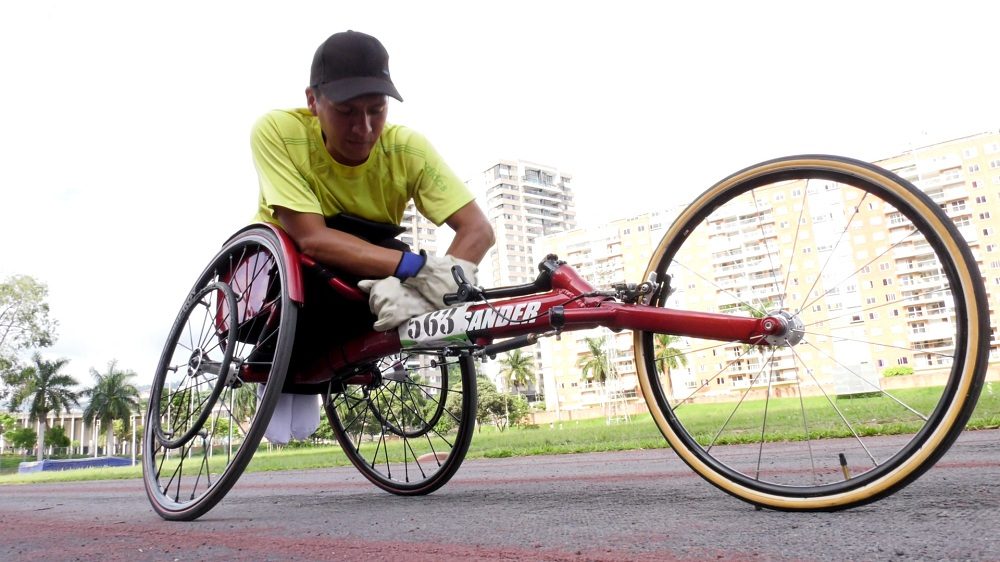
(637,505)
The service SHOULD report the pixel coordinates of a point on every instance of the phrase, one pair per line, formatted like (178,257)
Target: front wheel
(406,420)
(888,341)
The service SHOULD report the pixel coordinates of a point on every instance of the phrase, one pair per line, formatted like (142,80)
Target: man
(331,173)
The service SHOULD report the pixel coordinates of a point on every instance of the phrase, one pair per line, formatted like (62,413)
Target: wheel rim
(185,477)
(405,421)
(842,336)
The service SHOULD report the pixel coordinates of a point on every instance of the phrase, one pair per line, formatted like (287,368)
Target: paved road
(640,505)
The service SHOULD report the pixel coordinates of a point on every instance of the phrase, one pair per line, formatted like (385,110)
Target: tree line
(39,386)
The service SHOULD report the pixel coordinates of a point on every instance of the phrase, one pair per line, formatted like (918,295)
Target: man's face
(351,127)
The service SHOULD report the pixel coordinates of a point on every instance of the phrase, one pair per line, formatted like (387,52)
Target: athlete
(337,178)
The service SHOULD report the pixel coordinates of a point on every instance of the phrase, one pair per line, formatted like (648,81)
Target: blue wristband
(409,265)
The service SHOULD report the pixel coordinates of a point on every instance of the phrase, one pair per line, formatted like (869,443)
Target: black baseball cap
(351,64)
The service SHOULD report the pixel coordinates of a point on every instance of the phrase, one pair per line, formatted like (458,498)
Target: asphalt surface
(637,505)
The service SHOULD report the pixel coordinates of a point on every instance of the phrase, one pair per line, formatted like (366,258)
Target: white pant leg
(304,415)
(278,429)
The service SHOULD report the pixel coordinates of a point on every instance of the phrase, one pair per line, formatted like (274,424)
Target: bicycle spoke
(839,412)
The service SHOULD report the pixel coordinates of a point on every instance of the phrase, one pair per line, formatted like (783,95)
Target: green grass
(784,422)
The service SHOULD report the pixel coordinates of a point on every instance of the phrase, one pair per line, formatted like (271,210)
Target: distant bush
(56,437)
(897,371)
(23,438)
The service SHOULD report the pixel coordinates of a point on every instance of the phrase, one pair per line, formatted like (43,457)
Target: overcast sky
(124,157)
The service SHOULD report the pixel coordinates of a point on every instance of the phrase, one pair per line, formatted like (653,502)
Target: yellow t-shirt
(296,172)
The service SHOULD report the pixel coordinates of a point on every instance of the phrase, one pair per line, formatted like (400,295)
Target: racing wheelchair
(793,281)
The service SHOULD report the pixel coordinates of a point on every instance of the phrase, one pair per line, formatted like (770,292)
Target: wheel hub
(784,328)
(195,361)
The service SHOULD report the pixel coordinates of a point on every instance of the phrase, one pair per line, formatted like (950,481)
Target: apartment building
(420,234)
(524,201)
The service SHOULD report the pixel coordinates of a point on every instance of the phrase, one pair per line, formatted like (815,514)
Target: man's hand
(435,280)
(393,302)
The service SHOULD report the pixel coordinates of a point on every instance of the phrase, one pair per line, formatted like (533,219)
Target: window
(969,153)
(883,266)
(886,282)
(984,216)
(889,297)
(902,360)
(973,168)
(873,315)
(994,164)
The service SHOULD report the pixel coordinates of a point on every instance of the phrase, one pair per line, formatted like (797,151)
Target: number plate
(434,328)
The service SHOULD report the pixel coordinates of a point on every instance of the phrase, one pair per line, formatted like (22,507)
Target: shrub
(897,371)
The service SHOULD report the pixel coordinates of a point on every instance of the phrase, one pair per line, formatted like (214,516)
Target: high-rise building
(524,201)
(420,234)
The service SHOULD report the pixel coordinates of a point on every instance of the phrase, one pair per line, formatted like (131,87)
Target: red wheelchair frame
(485,322)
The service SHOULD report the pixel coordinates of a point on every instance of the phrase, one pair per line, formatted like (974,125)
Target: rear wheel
(406,420)
(219,377)
(870,274)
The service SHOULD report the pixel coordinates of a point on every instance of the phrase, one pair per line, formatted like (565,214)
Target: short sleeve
(281,182)
(439,192)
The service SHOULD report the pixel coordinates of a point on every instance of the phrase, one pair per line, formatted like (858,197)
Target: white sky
(124,159)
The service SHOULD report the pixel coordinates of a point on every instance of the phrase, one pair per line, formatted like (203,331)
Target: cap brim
(348,88)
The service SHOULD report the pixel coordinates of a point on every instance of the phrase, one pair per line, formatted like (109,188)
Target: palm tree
(517,370)
(112,398)
(667,357)
(45,390)
(593,363)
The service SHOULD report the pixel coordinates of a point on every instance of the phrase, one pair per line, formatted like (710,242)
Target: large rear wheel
(887,344)
(219,377)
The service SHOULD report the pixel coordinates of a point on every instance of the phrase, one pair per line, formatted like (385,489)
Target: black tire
(406,421)
(851,296)
(209,404)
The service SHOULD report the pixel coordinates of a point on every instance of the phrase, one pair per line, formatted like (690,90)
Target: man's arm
(473,233)
(337,249)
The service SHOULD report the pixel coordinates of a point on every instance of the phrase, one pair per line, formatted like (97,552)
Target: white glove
(435,280)
(393,302)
